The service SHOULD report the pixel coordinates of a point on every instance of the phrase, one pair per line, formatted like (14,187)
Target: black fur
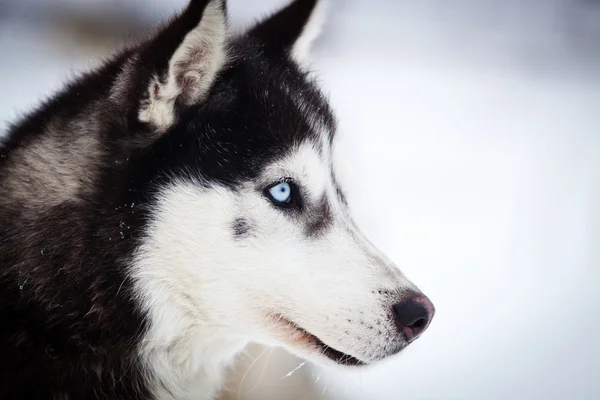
(279,32)
(69,325)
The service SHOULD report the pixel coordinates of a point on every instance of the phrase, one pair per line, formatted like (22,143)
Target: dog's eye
(284,194)
(281,193)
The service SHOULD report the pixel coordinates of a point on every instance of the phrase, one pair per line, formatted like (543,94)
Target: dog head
(249,233)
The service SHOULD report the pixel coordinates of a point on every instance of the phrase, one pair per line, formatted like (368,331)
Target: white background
(471,130)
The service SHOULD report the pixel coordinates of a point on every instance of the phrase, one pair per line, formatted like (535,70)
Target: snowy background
(471,130)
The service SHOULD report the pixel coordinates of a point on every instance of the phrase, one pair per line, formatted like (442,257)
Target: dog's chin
(338,357)
(310,346)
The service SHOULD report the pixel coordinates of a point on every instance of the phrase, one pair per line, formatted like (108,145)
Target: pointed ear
(293,29)
(183,61)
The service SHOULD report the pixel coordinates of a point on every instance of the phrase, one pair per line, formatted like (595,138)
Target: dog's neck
(192,366)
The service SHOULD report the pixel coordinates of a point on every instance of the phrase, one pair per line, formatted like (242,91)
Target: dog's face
(250,233)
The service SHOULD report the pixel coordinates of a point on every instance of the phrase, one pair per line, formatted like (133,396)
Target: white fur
(198,59)
(313,28)
(208,293)
(186,348)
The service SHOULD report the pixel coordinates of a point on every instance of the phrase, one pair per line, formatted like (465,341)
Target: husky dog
(177,203)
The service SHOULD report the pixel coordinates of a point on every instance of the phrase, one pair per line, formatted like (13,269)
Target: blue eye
(281,193)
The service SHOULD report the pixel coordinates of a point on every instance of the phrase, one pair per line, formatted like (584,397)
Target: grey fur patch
(241,228)
(56,167)
(320,219)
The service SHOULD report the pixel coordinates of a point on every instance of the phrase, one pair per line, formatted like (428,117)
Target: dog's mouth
(303,337)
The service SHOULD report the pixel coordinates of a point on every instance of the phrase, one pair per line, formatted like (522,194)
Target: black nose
(413,316)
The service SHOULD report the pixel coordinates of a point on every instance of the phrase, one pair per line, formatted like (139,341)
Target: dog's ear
(292,30)
(183,60)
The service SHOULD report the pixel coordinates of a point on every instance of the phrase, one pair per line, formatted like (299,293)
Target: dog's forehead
(283,95)
(307,164)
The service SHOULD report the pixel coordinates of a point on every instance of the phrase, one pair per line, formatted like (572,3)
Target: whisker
(262,374)
(239,394)
(324,389)
(292,371)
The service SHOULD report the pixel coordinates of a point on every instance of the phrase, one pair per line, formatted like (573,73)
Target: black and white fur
(139,252)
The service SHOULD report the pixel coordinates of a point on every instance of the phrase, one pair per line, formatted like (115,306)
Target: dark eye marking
(320,218)
(338,189)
